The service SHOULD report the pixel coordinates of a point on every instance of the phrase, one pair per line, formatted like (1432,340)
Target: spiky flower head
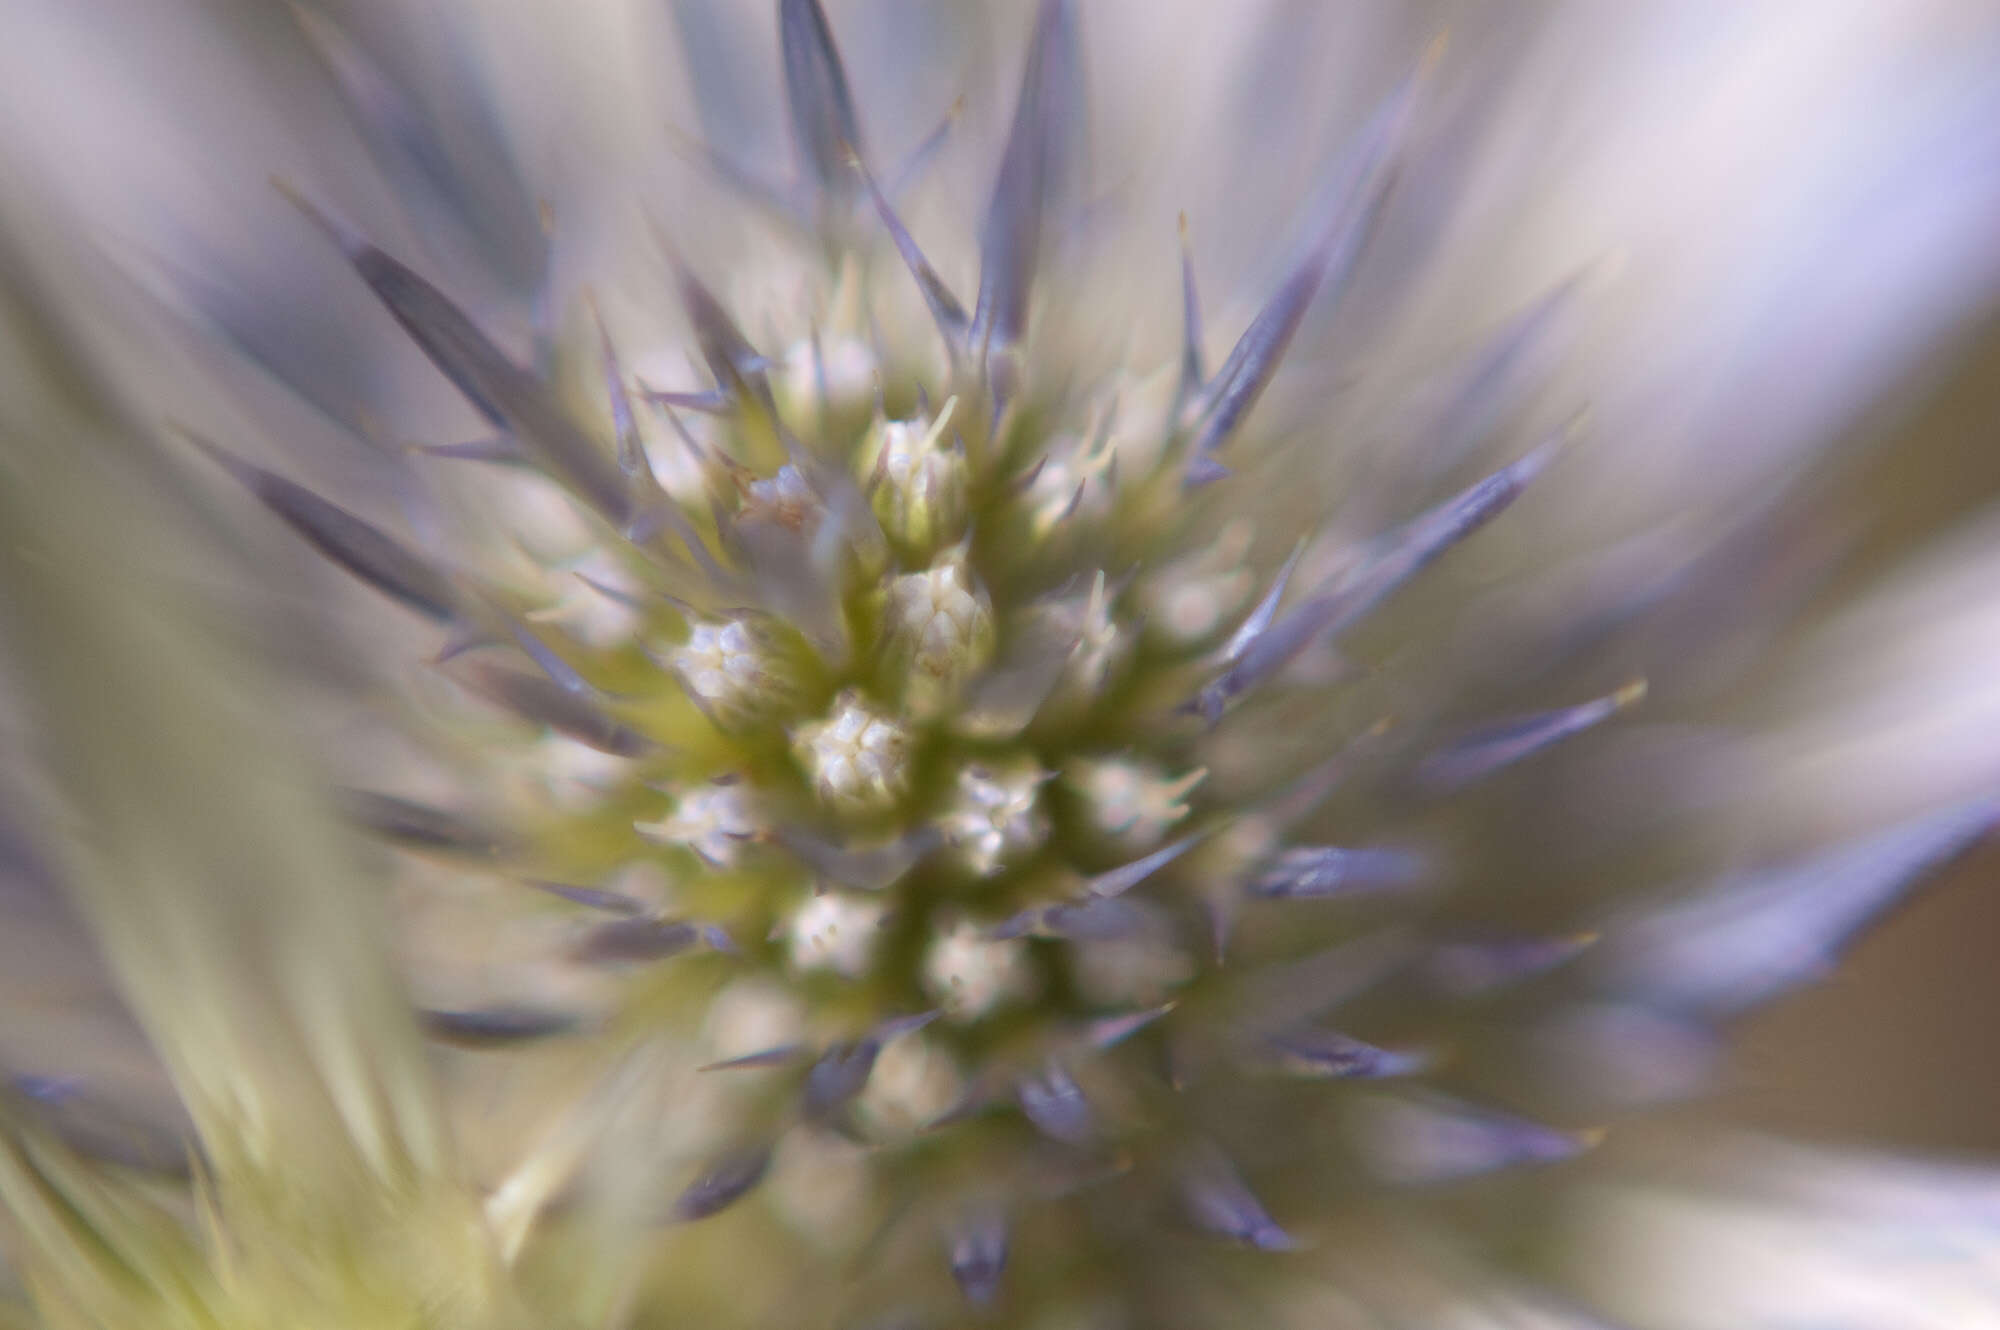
(1002,858)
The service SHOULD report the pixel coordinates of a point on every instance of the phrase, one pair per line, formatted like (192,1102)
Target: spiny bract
(1029,876)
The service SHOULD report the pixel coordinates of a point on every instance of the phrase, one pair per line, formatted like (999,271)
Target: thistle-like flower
(966,835)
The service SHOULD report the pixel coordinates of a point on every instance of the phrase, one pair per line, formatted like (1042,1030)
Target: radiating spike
(665,515)
(544,306)
(103,1129)
(536,699)
(594,898)
(921,156)
(1122,879)
(379,105)
(822,391)
(1218,1202)
(725,1182)
(1414,1140)
(868,868)
(1728,948)
(709,401)
(1203,470)
(317,359)
(1319,871)
(1330,263)
(1484,386)
(1397,558)
(705,461)
(946,311)
(1316,1054)
(500,450)
(842,1071)
(850,528)
(1258,621)
(766,1057)
(419,825)
(1110,1030)
(1024,482)
(497,1027)
(895,1027)
(839,1076)
(1475,756)
(1474,968)
(1194,370)
(464,637)
(1093,919)
(792,533)
(1034,651)
(738,368)
(616,596)
(636,941)
(446,166)
(979,1255)
(362,549)
(1010,239)
(558,671)
(1054,1102)
(631,450)
(52,1090)
(507,395)
(824,125)
(1066,109)
(1221,911)
(1089,919)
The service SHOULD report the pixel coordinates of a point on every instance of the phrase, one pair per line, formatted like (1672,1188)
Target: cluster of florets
(913,714)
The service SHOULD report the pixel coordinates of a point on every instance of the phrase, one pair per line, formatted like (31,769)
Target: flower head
(1024,852)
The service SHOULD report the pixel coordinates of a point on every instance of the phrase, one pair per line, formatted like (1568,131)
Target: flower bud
(1191,599)
(916,478)
(715,821)
(968,972)
(1130,802)
(731,671)
(940,627)
(856,758)
(835,930)
(994,816)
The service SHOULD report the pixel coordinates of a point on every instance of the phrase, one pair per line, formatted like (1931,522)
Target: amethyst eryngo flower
(927,811)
